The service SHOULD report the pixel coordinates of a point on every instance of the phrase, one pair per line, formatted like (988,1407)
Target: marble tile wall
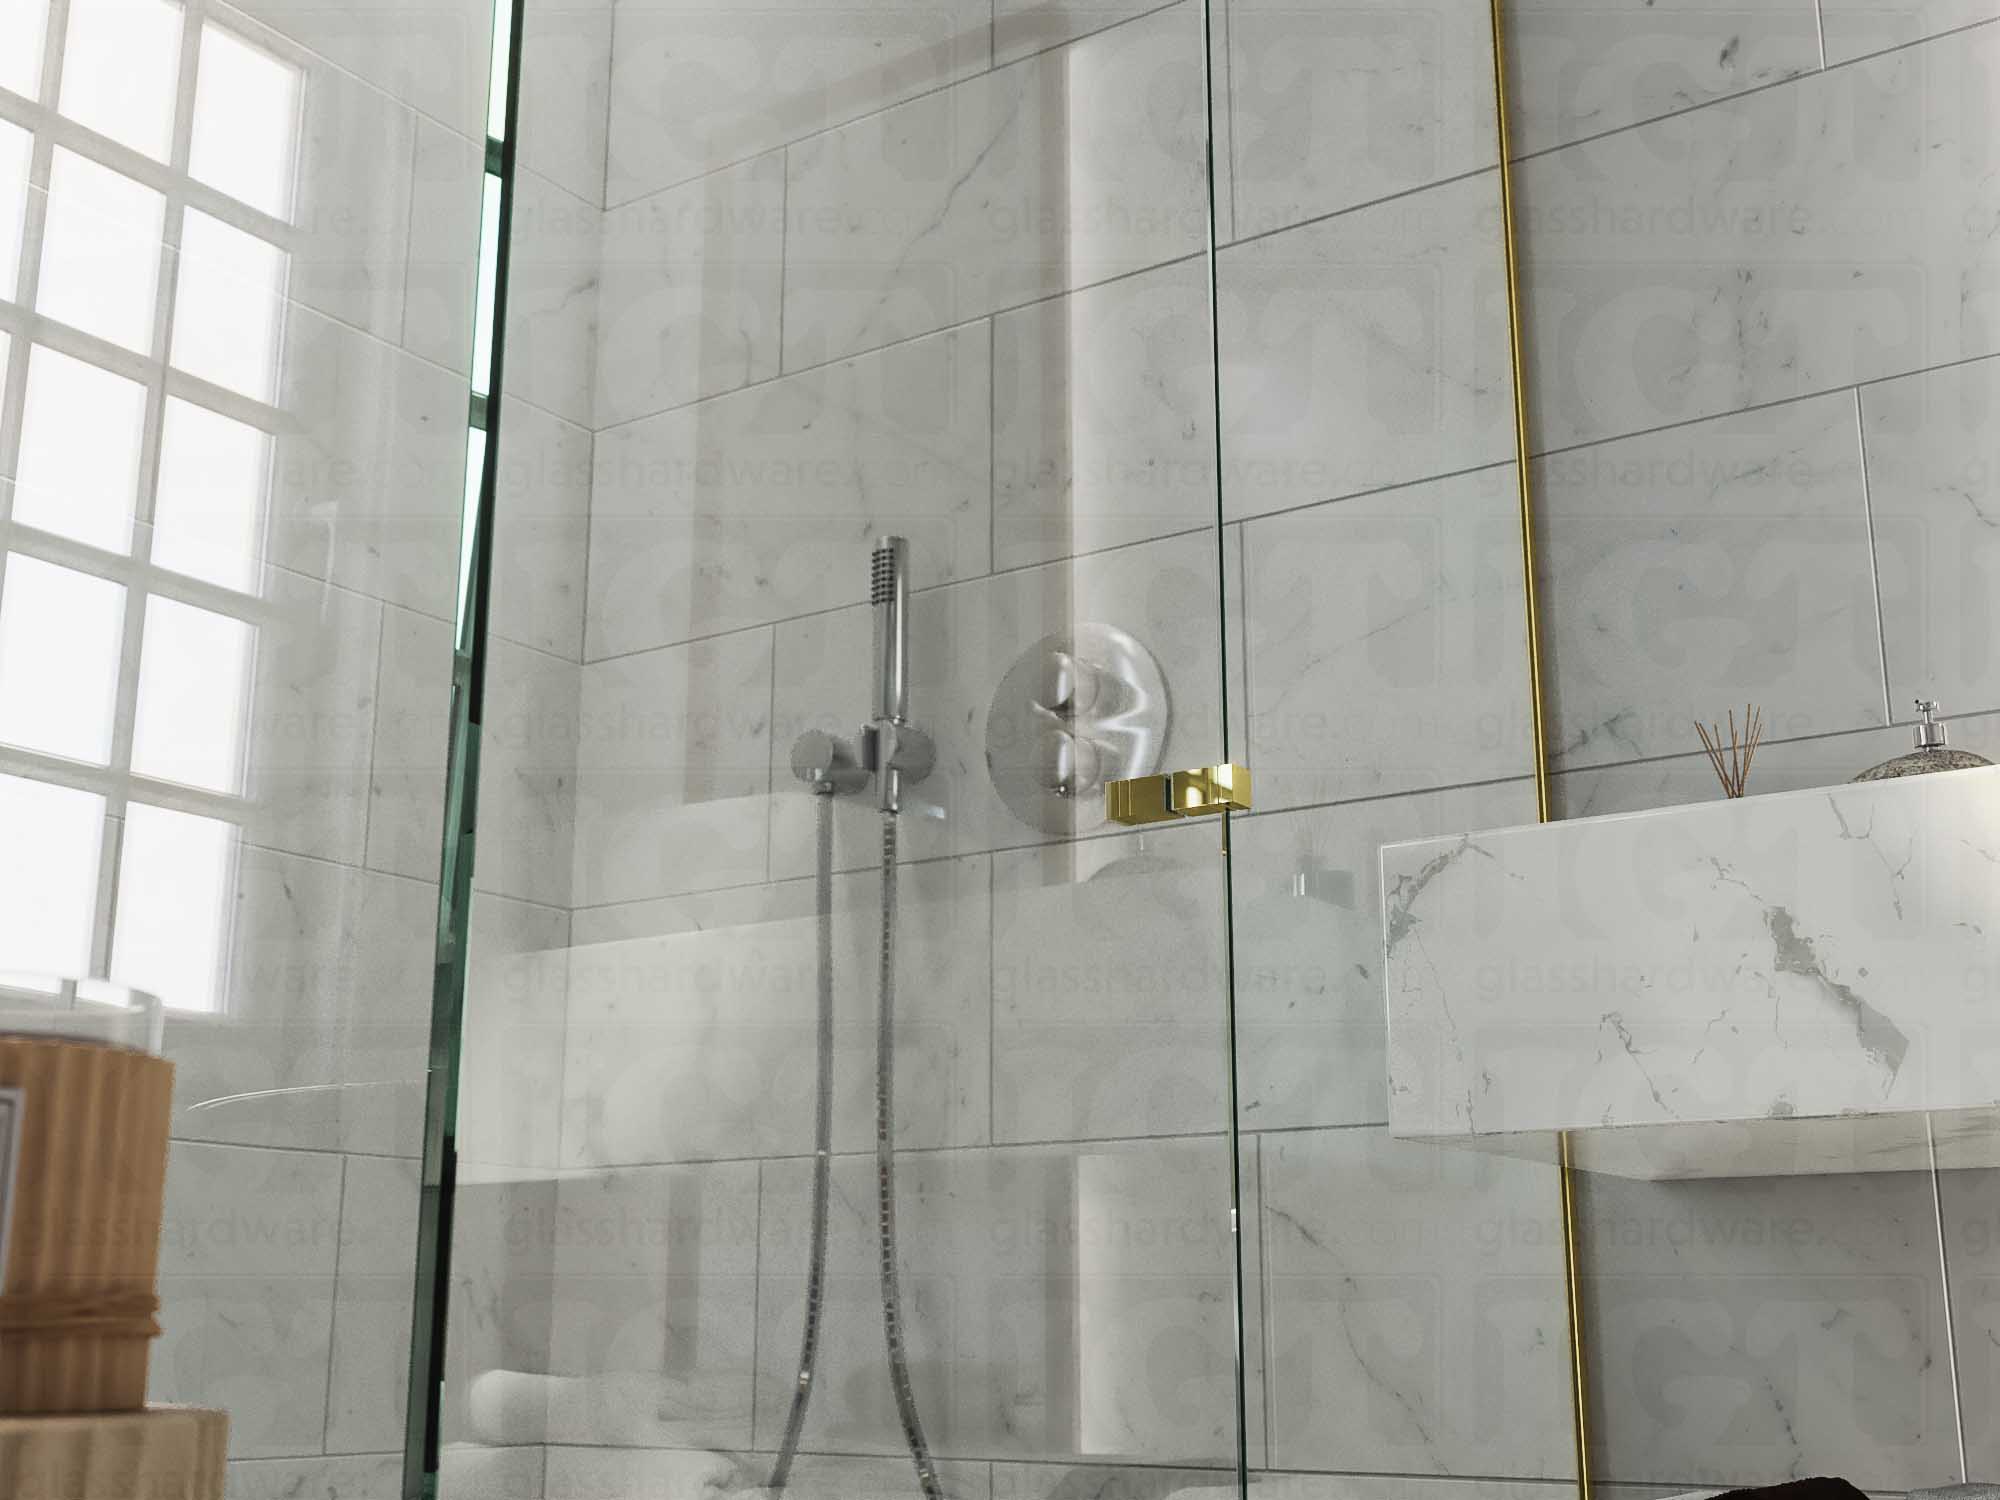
(891,271)
(1759,348)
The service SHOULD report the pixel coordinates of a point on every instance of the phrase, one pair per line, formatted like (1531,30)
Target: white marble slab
(1388,642)
(1335,106)
(1798,977)
(1855,28)
(761,505)
(674,770)
(1017,184)
(541,534)
(1365,350)
(566,92)
(1934,494)
(1582,68)
(1723,562)
(701,1043)
(689,301)
(552,284)
(699,84)
(1415,1308)
(1826,246)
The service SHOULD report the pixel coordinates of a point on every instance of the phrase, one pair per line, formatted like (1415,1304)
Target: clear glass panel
(209,505)
(175,871)
(60,633)
(193,682)
(246,112)
(100,267)
(23,24)
(860,278)
(229,306)
(81,432)
(48,904)
(121,70)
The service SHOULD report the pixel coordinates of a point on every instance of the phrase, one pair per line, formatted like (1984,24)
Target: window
(146,295)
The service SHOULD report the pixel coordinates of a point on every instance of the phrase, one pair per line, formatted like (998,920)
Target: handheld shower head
(889,580)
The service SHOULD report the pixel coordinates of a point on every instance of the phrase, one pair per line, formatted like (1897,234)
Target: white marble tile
(321,1040)
(375,1476)
(1107,988)
(433,57)
(1931,442)
(311,720)
(1021,27)
(1366,350)
(528,769)
(248,1246)
(1689,571)
(701,1041)
(1338,1486)
(1103,417)
(406,778)
(1972,1241)
(699,84)
(963,640)
(1415,1302)
(673,770)
(762,505)
(688,305)
(1058,1301)
(566,92)
(357,152)
(552,299)
(1825,247)
(443,287)
(503,1297)
(1580,69)
(1780,766)
(470,1471)
(1311,1039)
(686,1474)
(655,1315)
(1031,180)
(367,1405)
(541,533)
(1754,1331)
(511,1068)
(1337,106)
(1855,28)
(1388,643)
(369,470)
(1087,1481)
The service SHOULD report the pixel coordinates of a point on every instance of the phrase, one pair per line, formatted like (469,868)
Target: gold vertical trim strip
(1524,481)
(1521,466)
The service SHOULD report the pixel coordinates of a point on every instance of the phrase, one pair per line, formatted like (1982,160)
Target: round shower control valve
(1073,712)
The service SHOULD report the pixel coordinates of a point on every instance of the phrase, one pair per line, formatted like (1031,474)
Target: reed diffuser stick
(1733,769)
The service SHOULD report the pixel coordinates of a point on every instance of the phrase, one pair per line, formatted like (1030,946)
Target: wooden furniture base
(160,1453)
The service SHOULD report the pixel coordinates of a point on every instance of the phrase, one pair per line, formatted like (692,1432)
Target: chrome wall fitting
(828,764)
(1074,712)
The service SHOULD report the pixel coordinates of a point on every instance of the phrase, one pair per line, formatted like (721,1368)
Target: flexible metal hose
(885,1177)
(781,1471)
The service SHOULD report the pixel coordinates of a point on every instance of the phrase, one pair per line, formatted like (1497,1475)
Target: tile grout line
(333,1316)
(1874,558)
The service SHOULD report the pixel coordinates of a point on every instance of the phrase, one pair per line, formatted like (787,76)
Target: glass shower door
(939,273)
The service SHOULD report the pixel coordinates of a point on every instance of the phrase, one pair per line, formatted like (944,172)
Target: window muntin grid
(204,465)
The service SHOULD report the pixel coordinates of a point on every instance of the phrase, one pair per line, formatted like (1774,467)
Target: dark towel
(1799,1489)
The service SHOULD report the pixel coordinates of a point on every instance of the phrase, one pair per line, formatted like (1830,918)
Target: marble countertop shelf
(1802,982)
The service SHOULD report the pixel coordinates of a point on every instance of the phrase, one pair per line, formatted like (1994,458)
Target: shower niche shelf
(1795,983)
